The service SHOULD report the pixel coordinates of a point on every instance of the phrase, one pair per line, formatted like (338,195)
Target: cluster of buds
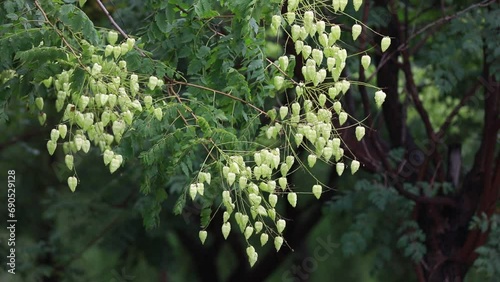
(310,119)
(101,114)
(257,186)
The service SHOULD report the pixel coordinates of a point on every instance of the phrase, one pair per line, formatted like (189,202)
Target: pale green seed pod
(278,242)
(203,236)
(385,43)
(226,228)
(78,142)
(345,86)
(263,239)
(231,177)
(86,146)
(278,82)
(117,51)
(322,99)
(317,56)
(258,225)
(290,17)
(276,22)
(337,107)
(192,191)
(365,61)
(342,118)
(244,221)
(116,163)
(334,35)
(283,182)
(298,138)
(339,168)
(356,31)
(280,225)
(242,181)
(299,45)
(108,156)
(283,112)
(63,129)
(51,146)
(248,232)
(330,63)
(148,101)
(200,188)
(360,132)
(153,81)
(299,91)
(283,62)
(323,40)
(47,83)
(72,182)
(42,117)
(354,166)
(54,135)
(357,4)
(39,103)
(327,153)
(343,4)
(320,27)
(379,98)
(112,37)
(292,199)
(108,50)
(336,5)
(273,199)
(226,214)
(271,213)
(311,160)
(158,114)
(254,199)
(69,160)
(130,43)
(306,51)
(317,190)
(284,168)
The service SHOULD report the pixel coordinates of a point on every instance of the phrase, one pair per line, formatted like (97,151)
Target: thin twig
(455,111)
(219,92)
(37,4)
(280,70)
(117,27)
(451,17)
(438,22)
(113,22)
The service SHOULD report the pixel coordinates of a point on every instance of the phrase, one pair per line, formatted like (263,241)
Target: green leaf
(205,215)
(179,205)
(78,21)
(203,9)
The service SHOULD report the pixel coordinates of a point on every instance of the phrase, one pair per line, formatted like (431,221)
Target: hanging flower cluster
(101,112)
(253,187)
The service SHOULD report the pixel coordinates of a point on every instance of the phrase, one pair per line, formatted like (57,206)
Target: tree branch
(117,27)
(455,110)
(434,24)
(442,201)
(446,19)
(221,93)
